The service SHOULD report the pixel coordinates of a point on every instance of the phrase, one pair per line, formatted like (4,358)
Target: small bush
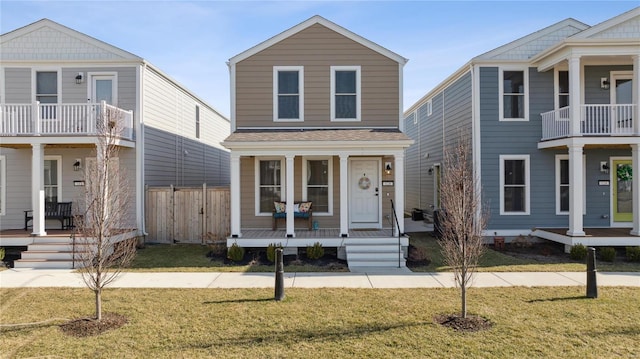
(578,252)
(316,251)
(633,254)
(1,253)
(607,254)
(235,253)
(271,251)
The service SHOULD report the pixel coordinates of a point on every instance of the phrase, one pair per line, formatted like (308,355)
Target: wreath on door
(364,183)
(624,172)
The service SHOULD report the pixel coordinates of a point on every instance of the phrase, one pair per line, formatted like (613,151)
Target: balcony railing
(595,120)
(40,119)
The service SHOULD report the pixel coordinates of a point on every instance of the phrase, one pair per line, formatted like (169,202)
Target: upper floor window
(513,101)
(47,86)
(345,93)
(288,93)
(514,183)
(563,89)
(197,121)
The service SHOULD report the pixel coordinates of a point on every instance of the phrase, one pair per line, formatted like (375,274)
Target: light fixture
(604,167)
(430,170)
(77,165)
(79,78)
(388,168)
(604,83)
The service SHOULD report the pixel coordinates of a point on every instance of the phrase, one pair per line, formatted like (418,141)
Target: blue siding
(593,94)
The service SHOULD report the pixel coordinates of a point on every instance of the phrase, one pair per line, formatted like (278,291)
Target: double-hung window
(345,93)
(3,184)
(52,178)
(514,184)
(269,183)
(197,121)
(513,99)
(317,184)
(563,185)
(563,89)
(288,93)
(47,93)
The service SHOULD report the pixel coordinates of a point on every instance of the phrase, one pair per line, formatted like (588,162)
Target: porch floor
(20,237)
(319,233)
(592,237)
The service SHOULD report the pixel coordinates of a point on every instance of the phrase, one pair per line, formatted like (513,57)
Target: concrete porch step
(43,263)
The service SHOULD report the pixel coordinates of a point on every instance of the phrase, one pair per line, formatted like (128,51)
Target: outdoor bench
(304,212)
(53,210)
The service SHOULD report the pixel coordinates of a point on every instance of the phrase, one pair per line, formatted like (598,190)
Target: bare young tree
(462,217)
(100,251)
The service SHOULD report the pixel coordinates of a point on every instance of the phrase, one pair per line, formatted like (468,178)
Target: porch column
(575,191)
(290,199)
(635,164)
(344,195)
(234,187)
(636,95)
(574,97)
(399,186)
(37,189)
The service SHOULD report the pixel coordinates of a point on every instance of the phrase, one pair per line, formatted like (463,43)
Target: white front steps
(50,252)
(375,253)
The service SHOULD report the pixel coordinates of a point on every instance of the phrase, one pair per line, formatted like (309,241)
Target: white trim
(557,181)
(34,81)
(106,75)
(232,96)
(429,107)
(618,75)
(358,94)
(527,184)
(613,177)
(57,158)
(525,76)
(556,88)
(377,224)
(257,182)
(303,176)
(401,97)
(300,70)
(3,185)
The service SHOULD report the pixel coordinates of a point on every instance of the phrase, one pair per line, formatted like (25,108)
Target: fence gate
(187,214)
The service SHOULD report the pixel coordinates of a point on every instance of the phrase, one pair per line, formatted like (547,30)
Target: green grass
(553,322)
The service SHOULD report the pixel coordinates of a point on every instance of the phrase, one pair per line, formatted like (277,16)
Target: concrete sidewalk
(23,278)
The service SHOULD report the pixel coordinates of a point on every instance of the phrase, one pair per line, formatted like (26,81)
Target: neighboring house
(54,84)
(316,116)
(555,128)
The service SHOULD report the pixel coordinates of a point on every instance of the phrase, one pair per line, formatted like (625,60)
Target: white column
(635,163)
(344,195)
(575,191)
(399,186)
(290,199)
(37,189)
(574,95)
(234,188)
(636,94)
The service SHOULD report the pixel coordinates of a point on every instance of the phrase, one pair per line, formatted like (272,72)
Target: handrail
(395,217)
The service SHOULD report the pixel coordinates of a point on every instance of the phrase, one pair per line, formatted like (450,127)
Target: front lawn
(324,323)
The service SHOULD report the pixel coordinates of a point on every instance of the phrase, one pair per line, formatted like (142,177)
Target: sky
(191,41)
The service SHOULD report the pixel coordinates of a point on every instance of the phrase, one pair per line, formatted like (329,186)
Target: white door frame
(378,224)
(91,89)
(614,177)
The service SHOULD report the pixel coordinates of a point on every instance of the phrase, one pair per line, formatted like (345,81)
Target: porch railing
(39,119)
(396,224)
(595,120)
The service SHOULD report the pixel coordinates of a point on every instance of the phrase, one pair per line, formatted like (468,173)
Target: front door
(364,203)
(103,89)
(622,195)
(622,94)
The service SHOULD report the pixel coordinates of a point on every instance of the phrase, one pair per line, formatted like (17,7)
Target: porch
(595,120)
(592,237)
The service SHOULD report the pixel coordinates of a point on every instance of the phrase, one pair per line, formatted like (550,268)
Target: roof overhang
(547,59)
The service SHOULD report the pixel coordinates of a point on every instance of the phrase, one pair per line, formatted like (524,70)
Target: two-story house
(554,122)
(316,119)
(56,84)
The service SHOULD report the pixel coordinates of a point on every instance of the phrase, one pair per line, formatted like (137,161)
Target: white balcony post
(636,95)
(575,191)
(344,193)
(635,164)
(36,118)
(234,187)
(399,186)
(574,96)
(290,199)
(37,189)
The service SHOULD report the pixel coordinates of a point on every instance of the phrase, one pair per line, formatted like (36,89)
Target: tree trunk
(464,300)
(98,293)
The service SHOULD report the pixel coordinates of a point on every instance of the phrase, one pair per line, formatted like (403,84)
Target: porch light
(79,78)
(604,167)
(77,165)
(604,83)
(388,168)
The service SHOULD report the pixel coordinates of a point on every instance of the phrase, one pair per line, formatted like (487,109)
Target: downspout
(140,174)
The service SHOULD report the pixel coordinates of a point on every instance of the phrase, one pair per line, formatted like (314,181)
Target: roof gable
(46,40)
(324,22)
(528,46)
(623,26)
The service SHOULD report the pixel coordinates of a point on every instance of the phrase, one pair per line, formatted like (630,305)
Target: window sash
(513,95)
(288,103)
(269,184)
(345,93)
(514,182)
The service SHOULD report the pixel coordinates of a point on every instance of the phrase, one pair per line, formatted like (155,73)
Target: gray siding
(17,86)
(593,94)
(74,93)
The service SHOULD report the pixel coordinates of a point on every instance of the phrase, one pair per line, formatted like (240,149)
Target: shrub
(316,251)
(271,251)
(1,253)
(235,253)
(633,254)
(578,252)
(607,254)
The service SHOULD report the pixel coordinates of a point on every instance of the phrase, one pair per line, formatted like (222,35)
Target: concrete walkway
(23,278)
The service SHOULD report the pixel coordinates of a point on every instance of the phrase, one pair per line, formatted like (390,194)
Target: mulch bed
(85,327)
(472,323)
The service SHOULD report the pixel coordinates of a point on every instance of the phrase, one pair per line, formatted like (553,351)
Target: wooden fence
(187,214)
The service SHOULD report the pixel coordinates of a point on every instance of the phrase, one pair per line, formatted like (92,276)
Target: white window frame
(3,185)
(556,88)
(197,121)
(111,75)
(525,72)
(283,184)
(34,81)
(357,69)
(300,70)
(329,185)
(584,184)
(57,158)
(527,184)
(429,107)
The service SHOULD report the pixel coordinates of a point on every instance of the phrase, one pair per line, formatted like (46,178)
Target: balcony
(595,120)
(40,119)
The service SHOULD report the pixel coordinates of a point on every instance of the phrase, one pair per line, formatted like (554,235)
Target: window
(288,93)
(197,121)
(52,178)
(345,93)
(3,184)
(47,93)
(429,108)
(317,185)
(513,101)
(563,89)
(562,184)
(270,179)
(514,182)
